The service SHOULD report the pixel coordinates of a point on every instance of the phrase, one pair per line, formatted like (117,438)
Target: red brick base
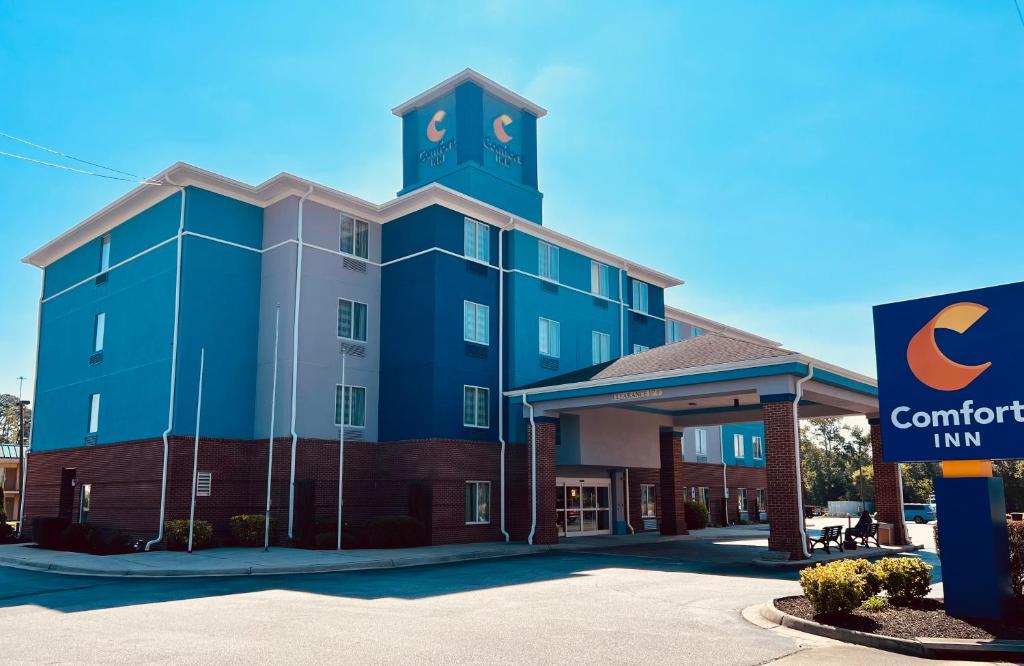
(125,479)
(785,514)
(888,487)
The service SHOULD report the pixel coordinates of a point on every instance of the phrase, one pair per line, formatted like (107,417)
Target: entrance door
(67,492)
(583,506)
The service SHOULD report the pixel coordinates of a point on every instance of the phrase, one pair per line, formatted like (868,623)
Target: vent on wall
(96,358)
(90,440)
(475,350)
(349,349)
(548,363)
(204,480)
(354,264)
(354,434)
(101,278)
(549,286)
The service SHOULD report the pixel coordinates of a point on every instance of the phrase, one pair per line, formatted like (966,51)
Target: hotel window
(351,320)
(648,501)
(97,332)
(547,261)
(705,498)
(475,407)
(478,502)
(697,330)
(640,348)
(476,322)
(640,296)
(477,240)
(700,436)
(600,347)
(94,413)
(105,254)
(737,445)
(600,279)
(675,331)
(550,332)
(350,406)
(761,500)
(757,444)
(355,237)
(741,499)
(85,503)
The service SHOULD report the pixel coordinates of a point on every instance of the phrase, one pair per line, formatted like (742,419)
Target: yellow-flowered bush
(905,578)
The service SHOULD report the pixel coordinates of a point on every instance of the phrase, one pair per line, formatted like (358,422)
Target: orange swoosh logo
(926,360)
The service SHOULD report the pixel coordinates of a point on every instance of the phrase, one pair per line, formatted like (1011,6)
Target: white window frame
(349,387)
(204,484)
(762,498)
(552,326)
(704,494)
(652,500)
(600,279)
(757,445)
(700,442)
(356,225)
(640,296)
(354,303)
(638,349)
(476,506)
(105,253)
(738,446)
(675,331)
(476,308)
(548,252)
(94,413)
(602,343)
(99,328)
(478,251)
(741,499)
(477,390)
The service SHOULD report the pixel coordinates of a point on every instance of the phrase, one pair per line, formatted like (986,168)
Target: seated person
(861,528)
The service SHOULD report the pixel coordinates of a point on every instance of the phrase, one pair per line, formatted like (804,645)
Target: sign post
(950,389)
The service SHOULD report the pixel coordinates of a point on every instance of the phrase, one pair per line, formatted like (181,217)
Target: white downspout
(23,470)
(533,473)
(174,370)
(725,490)
(629,525)
(796,440)
(501,374)
(295,362)
(623,283)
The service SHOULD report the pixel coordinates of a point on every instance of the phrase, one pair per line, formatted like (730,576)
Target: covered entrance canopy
(712,380)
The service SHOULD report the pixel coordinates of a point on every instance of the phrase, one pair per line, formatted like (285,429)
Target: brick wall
(888,495)
(784,513)
(547,519)
(639,476)
(673,491)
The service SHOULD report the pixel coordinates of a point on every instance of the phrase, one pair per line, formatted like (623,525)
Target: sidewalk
(256,562)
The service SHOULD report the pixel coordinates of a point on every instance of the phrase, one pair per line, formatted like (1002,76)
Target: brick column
(888,487)
(785,515)
(547,435)
(673,495)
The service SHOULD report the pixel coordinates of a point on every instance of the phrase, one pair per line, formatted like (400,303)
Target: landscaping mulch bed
(922,618)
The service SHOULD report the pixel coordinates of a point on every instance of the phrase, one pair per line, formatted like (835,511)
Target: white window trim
(487,342)
(476,223)
(353,302)
(654,492)
(639,349)
(105,250)
(489,494)
(603,336)
(99,332)
(739,447)
(741,499)
(559,326)
(365,395)
(638,287)
(595,289)
(697,437)
(558,261)
(341,236)
(471,425)
(757,442)
(94,413)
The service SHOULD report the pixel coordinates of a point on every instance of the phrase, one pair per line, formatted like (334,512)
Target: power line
(69,157)
(81,171)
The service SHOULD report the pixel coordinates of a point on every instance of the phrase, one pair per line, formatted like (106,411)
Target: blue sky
(795,163)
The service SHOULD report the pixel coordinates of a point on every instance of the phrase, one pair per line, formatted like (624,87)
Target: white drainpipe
(629,525)
(725,488)
(174,371)
(533,473)
(295,362)
(796,440)
(623,283)
(501,373)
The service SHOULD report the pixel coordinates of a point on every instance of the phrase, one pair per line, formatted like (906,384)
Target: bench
(871,534)
(830,534)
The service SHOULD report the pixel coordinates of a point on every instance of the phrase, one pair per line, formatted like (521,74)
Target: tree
(836,461)
(9,419)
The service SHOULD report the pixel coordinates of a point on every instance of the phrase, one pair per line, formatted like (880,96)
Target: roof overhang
(492,87)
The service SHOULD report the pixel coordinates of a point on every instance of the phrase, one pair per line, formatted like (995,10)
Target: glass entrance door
(583,506)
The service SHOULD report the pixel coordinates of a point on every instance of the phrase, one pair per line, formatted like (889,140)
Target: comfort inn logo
(499,125)
(433,133)
(933,368)
(436,155)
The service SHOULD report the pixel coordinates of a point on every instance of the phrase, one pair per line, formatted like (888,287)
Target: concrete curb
(793,565)
(223,572)
(930,648)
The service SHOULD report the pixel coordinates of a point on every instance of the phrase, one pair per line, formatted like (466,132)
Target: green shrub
(248,529)
(905,578)
(108,541)
(176,534)
(875,604)
(868,572)
(76,536)
(1015,528)
(836,587)
(46,531)
(696,515)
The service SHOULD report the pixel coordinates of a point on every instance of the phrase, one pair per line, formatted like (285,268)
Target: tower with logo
(475,136)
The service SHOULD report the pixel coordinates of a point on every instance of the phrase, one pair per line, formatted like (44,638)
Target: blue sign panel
(951,376)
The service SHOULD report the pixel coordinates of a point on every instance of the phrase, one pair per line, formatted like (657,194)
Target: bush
(394,532)
(176,534)
(875,605)
(326,541)
(905,578)
(46,531)
(76,537)
(696,515)
(1016,533)
(247,529)
(108,541)
(836,587)
(868,573)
